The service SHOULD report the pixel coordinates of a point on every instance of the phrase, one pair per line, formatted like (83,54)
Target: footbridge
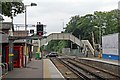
(67,36)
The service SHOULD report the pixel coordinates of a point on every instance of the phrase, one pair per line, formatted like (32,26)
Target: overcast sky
(54,12)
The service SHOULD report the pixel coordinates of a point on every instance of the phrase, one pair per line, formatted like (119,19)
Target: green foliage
(7,8)
(83,26)
(55,46)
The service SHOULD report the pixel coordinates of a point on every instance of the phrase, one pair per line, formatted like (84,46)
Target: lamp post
(25,7)
(10,58)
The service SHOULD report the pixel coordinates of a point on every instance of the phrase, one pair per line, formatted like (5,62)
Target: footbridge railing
(67,36)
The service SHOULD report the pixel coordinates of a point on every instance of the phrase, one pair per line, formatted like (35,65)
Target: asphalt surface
(33,70)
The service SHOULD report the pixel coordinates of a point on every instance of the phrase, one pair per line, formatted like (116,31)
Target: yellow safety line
(46,72)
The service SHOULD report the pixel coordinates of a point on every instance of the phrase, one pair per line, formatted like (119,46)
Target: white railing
(86,42)
(3,69)
(61,36)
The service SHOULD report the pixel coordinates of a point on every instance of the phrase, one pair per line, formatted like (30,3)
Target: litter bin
(37,55)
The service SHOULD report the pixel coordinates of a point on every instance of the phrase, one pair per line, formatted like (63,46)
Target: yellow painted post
(25,54)
(24,50)
(38,50)
(27,51)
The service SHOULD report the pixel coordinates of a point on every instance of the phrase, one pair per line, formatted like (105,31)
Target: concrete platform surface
(33,70)
(114,62)
(50,71)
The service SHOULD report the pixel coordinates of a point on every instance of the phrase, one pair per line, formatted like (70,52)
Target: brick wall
(20,33)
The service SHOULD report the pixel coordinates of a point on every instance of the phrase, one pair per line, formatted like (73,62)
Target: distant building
(7,28)
(119,5)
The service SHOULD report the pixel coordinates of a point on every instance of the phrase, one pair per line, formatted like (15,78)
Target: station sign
(110,44)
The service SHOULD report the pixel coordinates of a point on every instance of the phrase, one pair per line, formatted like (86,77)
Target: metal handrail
(6,68)
(3,68)
(0,71)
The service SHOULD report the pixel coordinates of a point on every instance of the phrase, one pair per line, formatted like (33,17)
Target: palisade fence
(72,52)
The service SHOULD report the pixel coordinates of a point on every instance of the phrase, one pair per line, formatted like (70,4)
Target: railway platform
(108,61)
(35,70)
(50,71)
(45,69)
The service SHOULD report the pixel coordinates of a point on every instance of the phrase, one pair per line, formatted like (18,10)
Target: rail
(88,71)
(100,73)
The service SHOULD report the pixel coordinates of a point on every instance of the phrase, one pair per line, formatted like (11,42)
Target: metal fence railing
(3,69)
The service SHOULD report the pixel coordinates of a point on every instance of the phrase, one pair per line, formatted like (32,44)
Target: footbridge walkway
(66,36)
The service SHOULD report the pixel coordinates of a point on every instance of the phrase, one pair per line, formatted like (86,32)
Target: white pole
(25,55)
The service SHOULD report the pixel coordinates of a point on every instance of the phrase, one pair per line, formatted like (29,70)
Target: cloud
(50,12)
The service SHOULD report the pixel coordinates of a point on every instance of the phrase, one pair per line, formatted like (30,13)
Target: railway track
(100,69)
(100,74)
(86,72)
(67,73)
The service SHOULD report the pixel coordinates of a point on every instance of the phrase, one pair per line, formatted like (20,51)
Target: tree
(7,7)
(109,19)
(84,26)
(72,24)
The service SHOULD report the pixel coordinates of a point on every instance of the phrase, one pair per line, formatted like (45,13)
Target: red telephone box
(18,56)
